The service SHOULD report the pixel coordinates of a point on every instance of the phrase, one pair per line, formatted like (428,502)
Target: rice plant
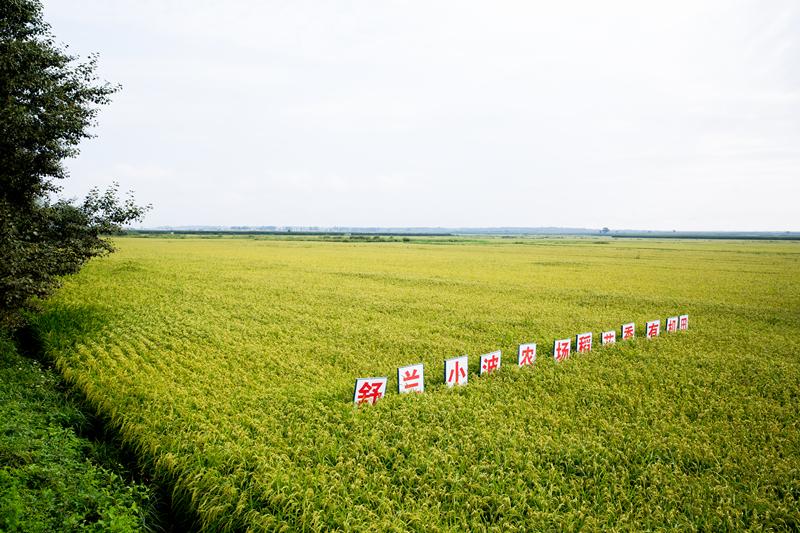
(229,365)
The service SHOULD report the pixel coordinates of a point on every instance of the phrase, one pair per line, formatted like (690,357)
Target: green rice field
(229,365)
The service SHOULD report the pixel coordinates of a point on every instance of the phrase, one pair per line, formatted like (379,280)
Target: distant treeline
(365,235)
(733,236)
(297,233)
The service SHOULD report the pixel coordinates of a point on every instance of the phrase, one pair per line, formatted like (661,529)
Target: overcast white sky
(683,115)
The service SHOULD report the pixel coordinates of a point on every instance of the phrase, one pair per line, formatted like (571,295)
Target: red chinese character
(608,338)
(409,377)
(369,392)
(627,332)
(527,356)
(652,330)
(562,350)
(684,322)
(490,364)
(455,371)
(672,324)
(584,343)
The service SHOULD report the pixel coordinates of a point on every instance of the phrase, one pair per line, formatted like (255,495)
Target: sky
(679,115)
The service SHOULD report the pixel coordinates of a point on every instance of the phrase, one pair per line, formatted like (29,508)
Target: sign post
(455,371)
(583,342)
(628,331)
(369,390)
(411,378)
(490,362)
(526,354)
(672,323)
(561,349)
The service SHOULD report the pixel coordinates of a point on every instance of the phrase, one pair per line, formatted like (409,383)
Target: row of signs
(412,378)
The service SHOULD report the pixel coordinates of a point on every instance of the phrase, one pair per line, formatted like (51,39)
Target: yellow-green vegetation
(229,364)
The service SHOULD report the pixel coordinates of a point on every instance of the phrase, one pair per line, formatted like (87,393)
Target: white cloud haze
(684,115)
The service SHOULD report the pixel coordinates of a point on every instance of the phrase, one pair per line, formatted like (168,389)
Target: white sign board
(455,371)
(608,337)
(490,362)
(683,322)
(583,342)
(526,354)
(411,378)
(672,323)
(561,349)
(652,329)
(369,390)
(628,330)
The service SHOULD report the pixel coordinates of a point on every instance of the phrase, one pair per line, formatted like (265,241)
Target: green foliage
(230,366)
(47,105)
(46,481)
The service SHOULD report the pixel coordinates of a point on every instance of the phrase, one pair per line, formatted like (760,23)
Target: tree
(48,103)
(605,230)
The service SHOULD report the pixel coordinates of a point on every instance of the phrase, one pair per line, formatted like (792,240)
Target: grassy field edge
(55,473)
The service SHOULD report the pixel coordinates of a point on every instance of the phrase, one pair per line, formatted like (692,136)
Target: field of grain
(229,364)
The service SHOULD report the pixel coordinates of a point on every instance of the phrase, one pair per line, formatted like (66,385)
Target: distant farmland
(229,365)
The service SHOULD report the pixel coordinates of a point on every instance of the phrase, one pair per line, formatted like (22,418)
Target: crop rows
(229,365)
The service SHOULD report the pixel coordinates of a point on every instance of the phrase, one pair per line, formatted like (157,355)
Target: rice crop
(229,364)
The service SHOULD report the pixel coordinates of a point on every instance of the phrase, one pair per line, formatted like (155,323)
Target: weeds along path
(229,364)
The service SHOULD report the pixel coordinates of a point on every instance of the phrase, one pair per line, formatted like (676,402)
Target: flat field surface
(230,365)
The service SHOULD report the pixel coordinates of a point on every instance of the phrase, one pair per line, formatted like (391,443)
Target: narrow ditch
(105,447)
